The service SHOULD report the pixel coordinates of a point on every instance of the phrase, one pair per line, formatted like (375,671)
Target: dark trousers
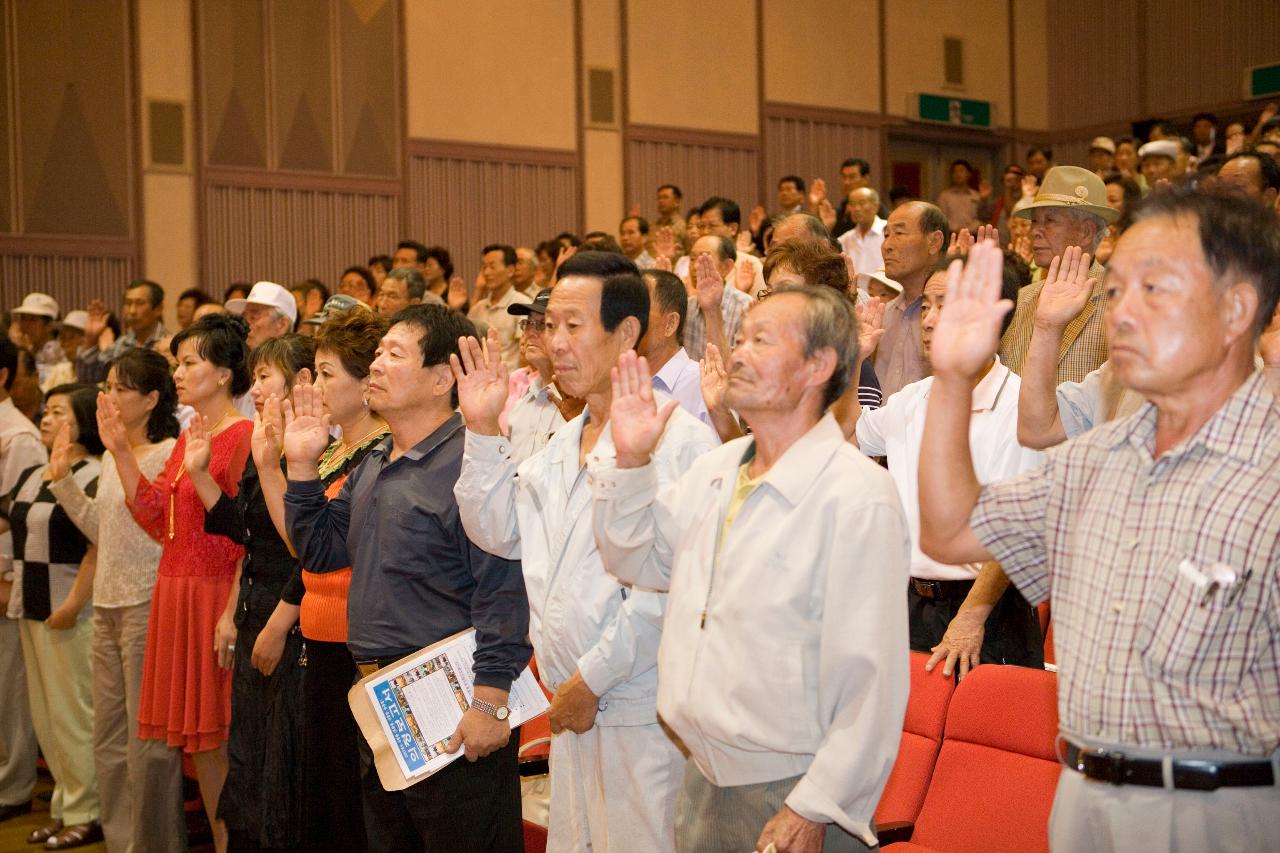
(464,808)
(1012,632)
(333,817)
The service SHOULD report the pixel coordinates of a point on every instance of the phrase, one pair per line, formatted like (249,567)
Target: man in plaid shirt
(1156,534)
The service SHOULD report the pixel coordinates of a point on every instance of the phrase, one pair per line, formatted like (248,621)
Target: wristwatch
(498,712)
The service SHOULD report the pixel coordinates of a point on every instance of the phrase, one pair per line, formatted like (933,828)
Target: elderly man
(524,277)
(1102,155)
(498,262)
(143,310)
(1070,209)
(416,580)
(1156,532)
(1011,632)
(862,242)
(616,770)
(674,372)
(721,217)
(790,702)
(32,330)
(716,308)
(1158,160)
(1251,174)
(539,412)
(269,309)
(915,242)
(400,288)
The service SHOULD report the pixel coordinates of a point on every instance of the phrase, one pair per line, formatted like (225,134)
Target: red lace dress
(186,696)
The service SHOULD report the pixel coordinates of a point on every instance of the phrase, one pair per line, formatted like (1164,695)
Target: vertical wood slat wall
(73,279)
(463,196)
(288,234)
(702,164)
(813,145)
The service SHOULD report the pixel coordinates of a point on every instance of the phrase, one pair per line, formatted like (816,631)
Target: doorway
(923,166)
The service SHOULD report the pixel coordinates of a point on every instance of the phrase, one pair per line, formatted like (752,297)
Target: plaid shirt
(1084,345)
(1146,658)
(733,306)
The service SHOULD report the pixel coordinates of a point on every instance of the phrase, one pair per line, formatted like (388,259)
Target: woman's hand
(199,446)
(224,640)
(268,649)
(60,455)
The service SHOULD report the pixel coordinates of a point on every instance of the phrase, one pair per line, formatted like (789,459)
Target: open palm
(714,378)
(968,331)
(634,417)
(306,426)
(870,327)
(482,382)
(1066,289)
(199,446)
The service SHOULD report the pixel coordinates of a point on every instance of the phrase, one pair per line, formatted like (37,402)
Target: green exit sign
(1262,81)
(959,111)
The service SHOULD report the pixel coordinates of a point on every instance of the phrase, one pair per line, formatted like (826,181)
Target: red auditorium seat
(993,784)
(535,838)
(918,750)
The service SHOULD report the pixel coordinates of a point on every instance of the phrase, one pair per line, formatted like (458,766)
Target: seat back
(922,729)
(535,838)
(993,784)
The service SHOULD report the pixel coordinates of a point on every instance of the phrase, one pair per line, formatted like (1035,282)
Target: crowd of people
(715,476)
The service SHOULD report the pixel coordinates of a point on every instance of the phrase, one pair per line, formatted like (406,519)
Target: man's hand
(573,707)
(790,833)
(1269,343)
(1066,290)
(709,287)
(870,328)
(968,332)
(826,213)
(1020,245)
(478,733)
(665,245)
(757,218)
(961,243)
(715,379)
(817,194)
(456,296)
(745,275)
(987,232)
(570,407)
(97,322)
(482,382)
(306,431)
(634,416)
(565,253)
(961,643)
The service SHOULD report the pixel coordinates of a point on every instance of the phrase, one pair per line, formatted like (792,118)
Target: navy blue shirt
(415,578)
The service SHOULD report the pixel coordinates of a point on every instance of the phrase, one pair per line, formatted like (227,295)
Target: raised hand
(634,417)
(111,428)
(961,243)
(708,285)
(97,321)
(968,331)
(665,244)
(817,193)
(306,427)
(268,434)
(757,218)
(456,296)
(1020,245)
(870,316)
(1066,289)
(984,189)
(60,455)
(987,232)
(662,263)
(199,446)
(481,290)
(482,382)
(827,213)
(633,210)
(714,379)
(566,252)
(743,243)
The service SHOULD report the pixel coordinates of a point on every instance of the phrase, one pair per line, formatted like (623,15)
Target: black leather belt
(1189,774)
(941,590)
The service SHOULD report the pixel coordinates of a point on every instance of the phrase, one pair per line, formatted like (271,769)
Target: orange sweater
(324,606)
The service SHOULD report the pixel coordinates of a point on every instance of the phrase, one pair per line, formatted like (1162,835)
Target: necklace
(173,487)
(331,461)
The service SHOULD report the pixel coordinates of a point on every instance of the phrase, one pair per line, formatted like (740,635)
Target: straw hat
(1071,187)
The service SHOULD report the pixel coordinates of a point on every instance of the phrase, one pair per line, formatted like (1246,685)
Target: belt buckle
(1102,765)
(1196,775)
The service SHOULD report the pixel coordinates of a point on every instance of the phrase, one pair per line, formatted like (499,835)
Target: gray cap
(337,304)
(537,306)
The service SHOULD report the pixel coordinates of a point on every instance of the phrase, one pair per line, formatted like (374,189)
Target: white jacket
(581,617)
(785,653)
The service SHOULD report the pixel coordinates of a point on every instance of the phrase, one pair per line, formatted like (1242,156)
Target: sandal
(76,835)
(44,833)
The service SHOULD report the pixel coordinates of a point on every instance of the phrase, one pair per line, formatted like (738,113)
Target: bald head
(864,203)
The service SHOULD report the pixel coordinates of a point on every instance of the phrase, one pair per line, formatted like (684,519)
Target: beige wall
(822,54)
(491,71)
(914,31)
(602,147)
(168,195)
(693,64)
(1031,71)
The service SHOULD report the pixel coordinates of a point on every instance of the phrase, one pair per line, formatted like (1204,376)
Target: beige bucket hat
(1072,187)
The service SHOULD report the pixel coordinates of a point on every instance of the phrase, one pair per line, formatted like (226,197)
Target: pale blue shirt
(681,378)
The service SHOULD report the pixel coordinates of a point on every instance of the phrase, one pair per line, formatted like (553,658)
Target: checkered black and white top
(47,545)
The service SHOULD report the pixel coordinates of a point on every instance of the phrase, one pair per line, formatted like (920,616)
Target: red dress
(186,696)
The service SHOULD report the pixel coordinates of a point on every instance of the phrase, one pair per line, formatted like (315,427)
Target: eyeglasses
(761,295)
(535,326)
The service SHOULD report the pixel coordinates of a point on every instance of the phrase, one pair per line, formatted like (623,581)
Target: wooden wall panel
(1197,52)
(74,277)
(701,163)
(287,234)
(814,145)
(1093,60)
(463,196)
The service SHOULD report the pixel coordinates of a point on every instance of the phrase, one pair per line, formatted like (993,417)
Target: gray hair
(1100,225)
(414,283)
(875,196)
(829,323)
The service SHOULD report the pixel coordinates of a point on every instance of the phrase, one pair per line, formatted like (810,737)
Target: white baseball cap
(1103,143)
(38,305)
(878,275)
(76,320)
(270,294)
(1160,148)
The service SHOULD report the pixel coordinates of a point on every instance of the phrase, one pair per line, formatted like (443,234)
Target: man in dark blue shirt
(417,579)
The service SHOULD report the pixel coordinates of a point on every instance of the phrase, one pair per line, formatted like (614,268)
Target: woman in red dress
(186,690)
